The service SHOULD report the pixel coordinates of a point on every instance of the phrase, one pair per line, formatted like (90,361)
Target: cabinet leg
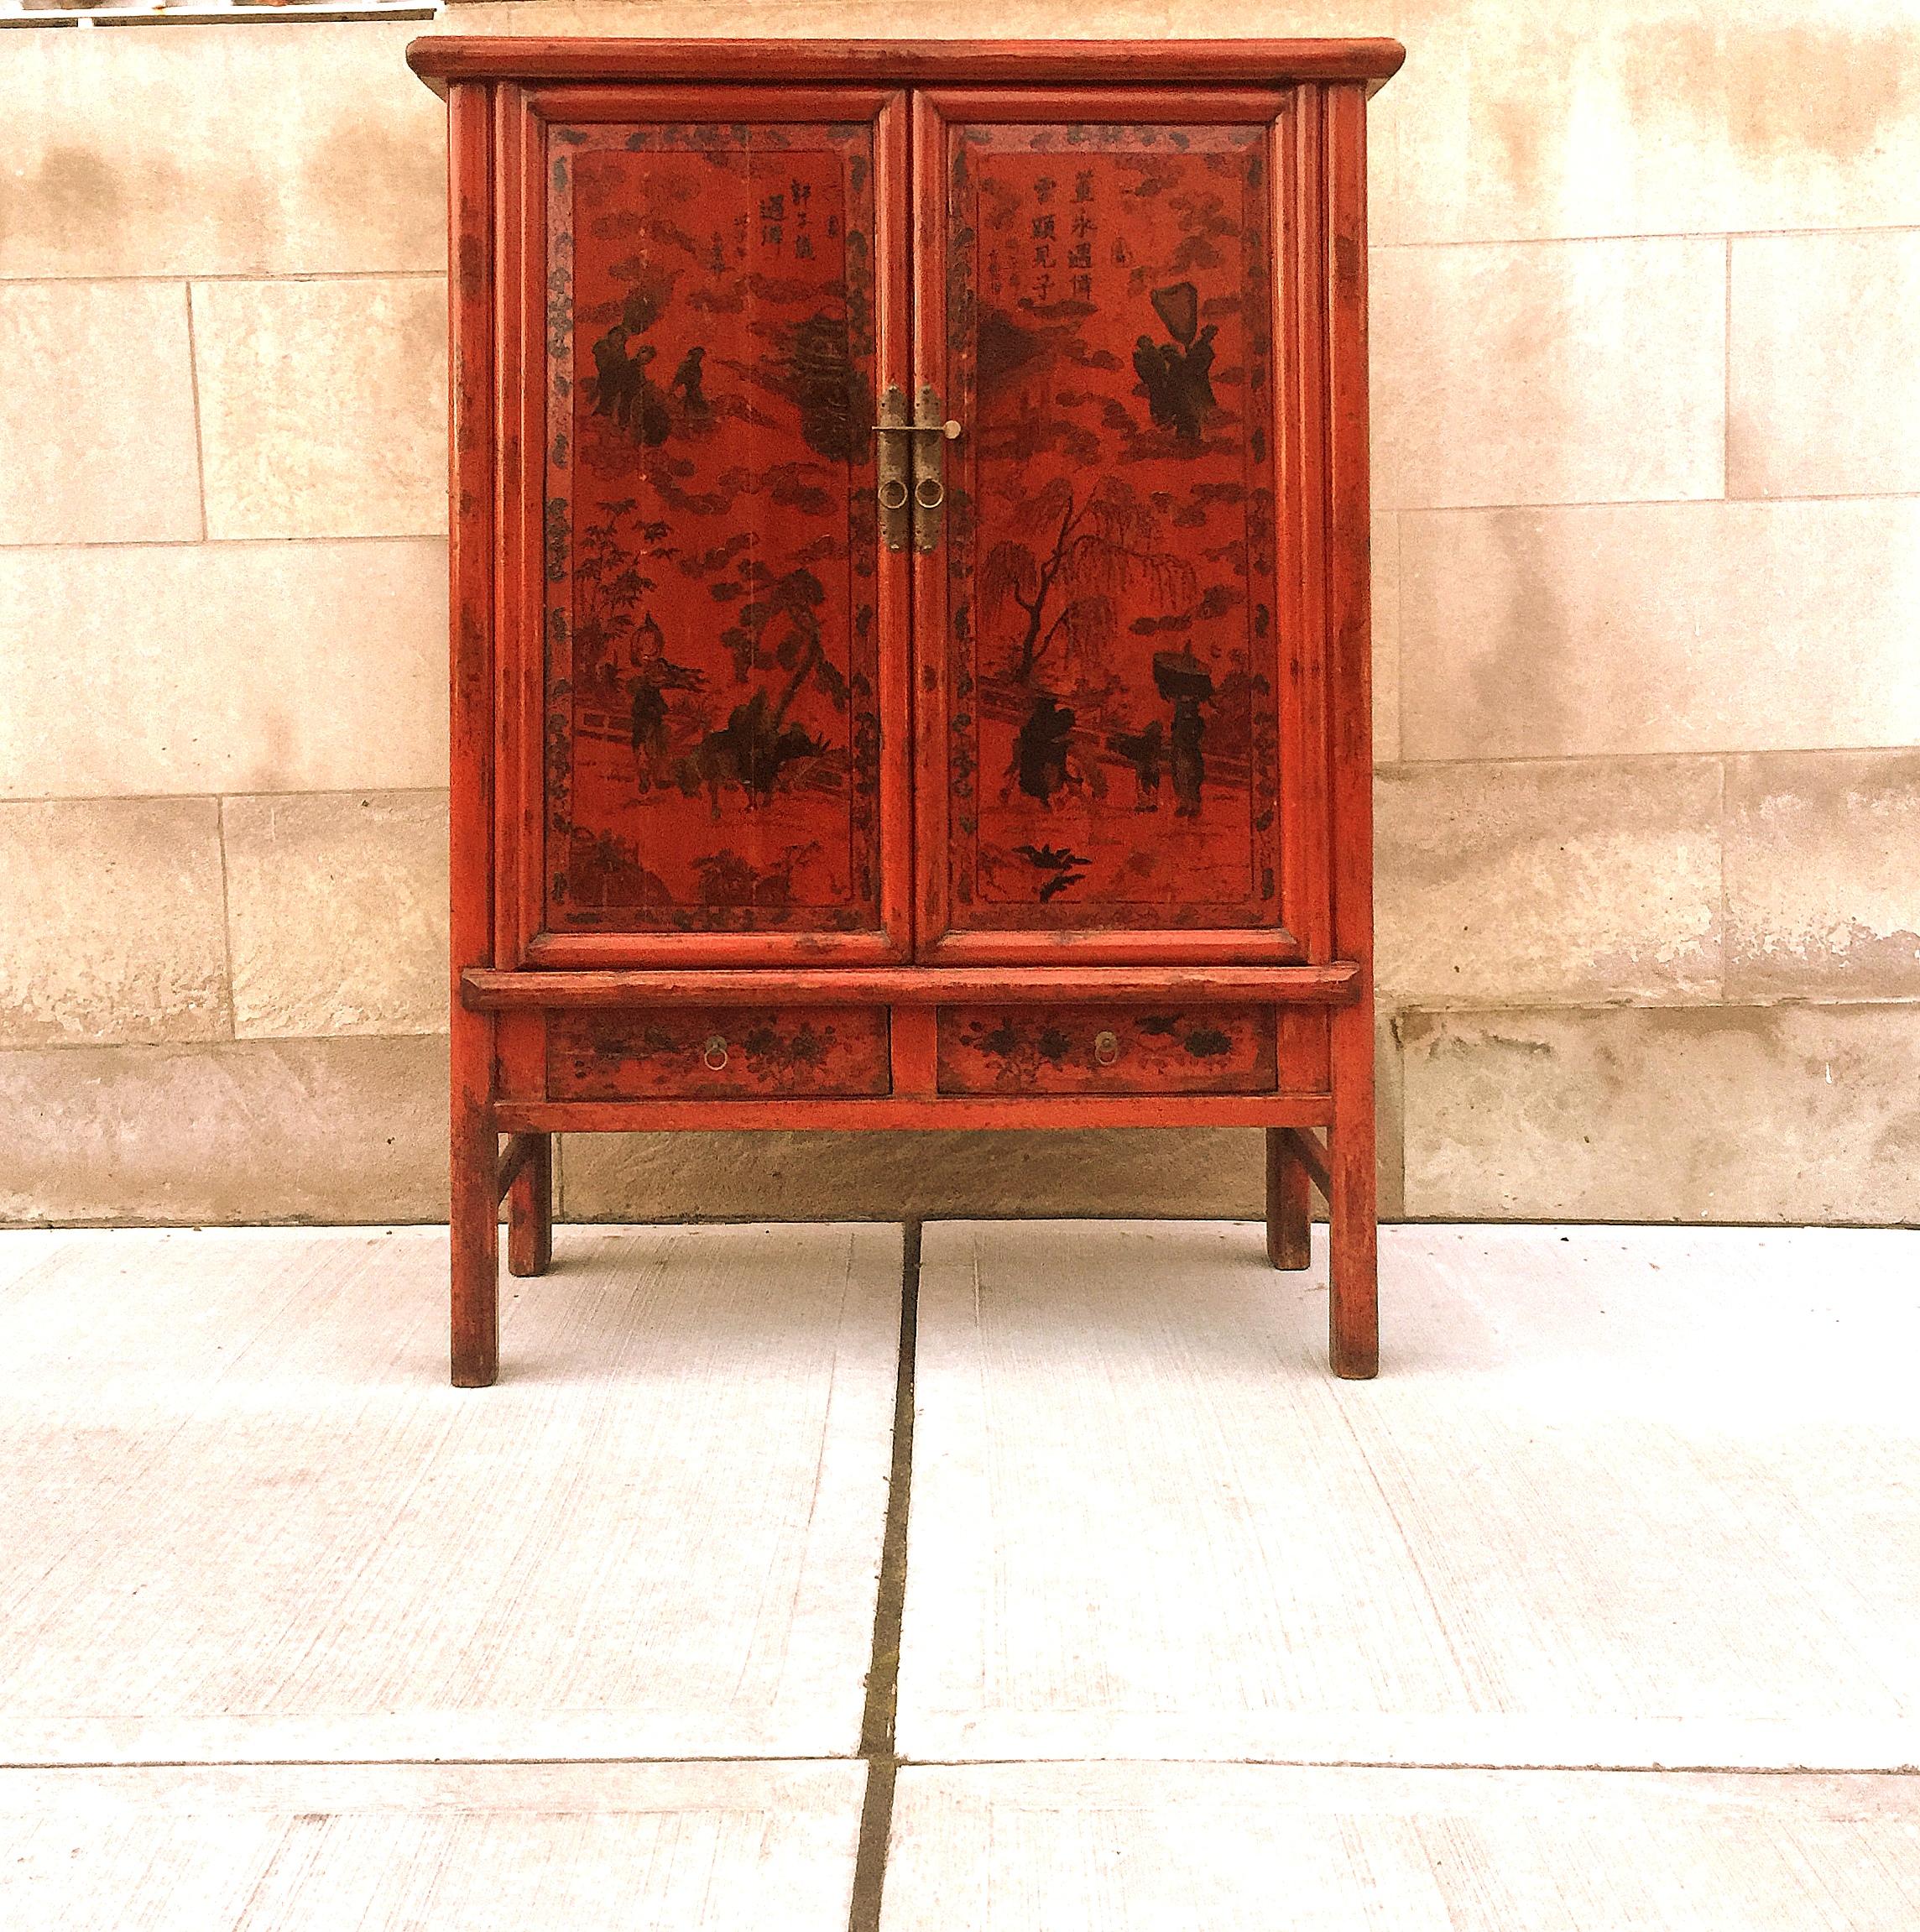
(530,1212)
(1288,1228)
(1352,1208)
(474,1241)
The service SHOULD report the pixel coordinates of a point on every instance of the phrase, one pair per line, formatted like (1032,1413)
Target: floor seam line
(878,1719)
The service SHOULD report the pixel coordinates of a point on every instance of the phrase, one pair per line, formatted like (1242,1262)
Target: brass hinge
(911,473)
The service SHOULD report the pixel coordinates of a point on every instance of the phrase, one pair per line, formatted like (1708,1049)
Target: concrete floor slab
(1240,1848)
(494,1848)
(1619,1497)
(247,1518)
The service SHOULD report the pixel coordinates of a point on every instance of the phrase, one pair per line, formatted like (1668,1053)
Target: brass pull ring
(892,493)
(930,493)
(715,1054)
(1106,1047)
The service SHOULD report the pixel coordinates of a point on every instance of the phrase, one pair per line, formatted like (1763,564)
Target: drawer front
(1174,1049)
(719,1053)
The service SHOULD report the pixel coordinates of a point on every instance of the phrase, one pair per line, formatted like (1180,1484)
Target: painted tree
(611,562)
(1063,587)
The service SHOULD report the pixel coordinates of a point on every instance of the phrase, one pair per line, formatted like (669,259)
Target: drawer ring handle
(714,1056)
(1106,1047)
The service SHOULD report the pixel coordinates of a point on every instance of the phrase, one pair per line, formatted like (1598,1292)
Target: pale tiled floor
(1228,1644)
(1619,1496)
(485,1848)
(247,1518)
(1254,1848)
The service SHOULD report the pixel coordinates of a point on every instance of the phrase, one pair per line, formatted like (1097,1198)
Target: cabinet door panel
(721,291)
(1106,642)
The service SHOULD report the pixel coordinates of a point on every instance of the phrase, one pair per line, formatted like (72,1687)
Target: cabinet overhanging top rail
(440,58)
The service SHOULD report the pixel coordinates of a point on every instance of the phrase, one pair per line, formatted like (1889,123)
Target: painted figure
(1146,751)
(1177,376)
(624,392)
(686,382)
(1189,763)
(1039,750)
(753,751)
(1186,684)
(653,675)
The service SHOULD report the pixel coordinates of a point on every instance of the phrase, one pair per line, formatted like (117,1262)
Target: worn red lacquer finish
(713,730)
(717,1054)
(909,606)
(1112,734)
(1107,1050)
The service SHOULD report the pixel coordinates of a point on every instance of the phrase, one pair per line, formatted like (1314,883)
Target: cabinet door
(703,746)
(1112,676)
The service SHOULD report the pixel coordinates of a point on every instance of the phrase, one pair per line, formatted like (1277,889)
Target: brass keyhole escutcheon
(1106,1047)
(715,1055)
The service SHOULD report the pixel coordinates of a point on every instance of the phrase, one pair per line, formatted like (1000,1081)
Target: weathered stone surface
(323,405)
(1571,882)
(887,19)
(895,1176)
(1789,1113)
(1390,1117)
(1823,864)
(1519,120)
(1681,627)
(110,921)
(223,667)
(1822,379)
(1385,544)
(236,148)
(115,461)
(337,909)
(1573,371)
(324,1131)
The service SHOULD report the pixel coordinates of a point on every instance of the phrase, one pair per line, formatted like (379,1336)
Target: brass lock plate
(910,464)
(893,463)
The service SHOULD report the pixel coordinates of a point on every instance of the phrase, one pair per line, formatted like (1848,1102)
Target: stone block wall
(1647,324)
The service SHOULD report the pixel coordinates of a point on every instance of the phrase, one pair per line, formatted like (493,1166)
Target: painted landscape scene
(712,741)
(1115,716)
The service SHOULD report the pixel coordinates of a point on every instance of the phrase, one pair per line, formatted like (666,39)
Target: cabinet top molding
(439,58)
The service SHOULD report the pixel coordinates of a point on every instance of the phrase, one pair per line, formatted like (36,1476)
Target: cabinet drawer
(718,1053)
(1173,1049)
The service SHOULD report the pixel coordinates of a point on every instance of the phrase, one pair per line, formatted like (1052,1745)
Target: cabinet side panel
(517,431)
(1348,618)
(1355,1304)
(713,577)
(1305,830)
(473,1234)
(470,473)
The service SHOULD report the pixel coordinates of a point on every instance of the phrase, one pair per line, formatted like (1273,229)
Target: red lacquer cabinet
(909,627)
